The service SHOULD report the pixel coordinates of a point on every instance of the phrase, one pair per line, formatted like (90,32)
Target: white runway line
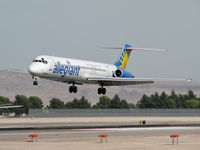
(144,129)
(76,131)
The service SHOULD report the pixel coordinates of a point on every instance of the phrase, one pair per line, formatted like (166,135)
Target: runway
(137,137)
(118,139)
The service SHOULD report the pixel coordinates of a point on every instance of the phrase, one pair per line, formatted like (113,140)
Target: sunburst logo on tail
(122,62)
(124,59)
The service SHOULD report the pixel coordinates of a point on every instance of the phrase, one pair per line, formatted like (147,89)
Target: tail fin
(122,62)
(126,51)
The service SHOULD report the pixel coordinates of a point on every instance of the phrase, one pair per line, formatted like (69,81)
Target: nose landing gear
(35,82)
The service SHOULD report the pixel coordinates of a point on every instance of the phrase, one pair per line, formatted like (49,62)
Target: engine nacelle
(118,73)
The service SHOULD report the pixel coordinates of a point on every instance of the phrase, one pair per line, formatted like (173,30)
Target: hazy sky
(78,28)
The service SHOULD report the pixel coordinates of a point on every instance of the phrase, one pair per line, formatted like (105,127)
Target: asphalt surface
(121,134)
(118,138)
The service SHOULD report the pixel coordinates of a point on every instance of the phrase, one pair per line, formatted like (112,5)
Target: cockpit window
(40,61)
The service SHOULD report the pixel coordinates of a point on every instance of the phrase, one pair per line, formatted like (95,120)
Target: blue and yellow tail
(122,62)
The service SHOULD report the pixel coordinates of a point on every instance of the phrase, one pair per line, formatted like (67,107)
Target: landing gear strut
(72,89)
(101,90)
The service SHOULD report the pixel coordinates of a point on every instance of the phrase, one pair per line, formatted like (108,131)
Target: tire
(35,83)
(70,89)
(75,89)
(99,91)
(103,91)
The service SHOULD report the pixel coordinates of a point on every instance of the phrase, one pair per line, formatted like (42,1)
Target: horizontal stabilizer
(126,51)
(6,107)
(135,48)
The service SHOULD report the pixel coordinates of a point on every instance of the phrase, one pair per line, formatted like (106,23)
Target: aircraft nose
(33,69)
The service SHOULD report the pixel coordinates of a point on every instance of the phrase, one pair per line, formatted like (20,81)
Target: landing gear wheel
(72,89)
(35,82)
(101,91)
(75,89)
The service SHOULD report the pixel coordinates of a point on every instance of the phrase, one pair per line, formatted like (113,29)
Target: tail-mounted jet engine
(118,73)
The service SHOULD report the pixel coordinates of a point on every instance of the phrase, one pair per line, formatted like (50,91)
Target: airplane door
(51,64)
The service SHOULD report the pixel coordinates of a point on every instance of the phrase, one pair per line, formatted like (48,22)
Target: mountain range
(13,83)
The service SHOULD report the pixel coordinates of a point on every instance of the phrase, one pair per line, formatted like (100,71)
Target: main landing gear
(35,82)
(73,89)
(101,90)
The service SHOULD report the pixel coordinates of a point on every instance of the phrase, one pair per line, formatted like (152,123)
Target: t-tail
(126,51)
(122,62)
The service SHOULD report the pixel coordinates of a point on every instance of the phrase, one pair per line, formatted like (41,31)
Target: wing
(120,81)
(2,107)
(18,71)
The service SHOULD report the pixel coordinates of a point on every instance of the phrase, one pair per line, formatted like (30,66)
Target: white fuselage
(74,71)
(69,70)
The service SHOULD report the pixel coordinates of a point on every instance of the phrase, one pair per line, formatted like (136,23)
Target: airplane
(78,72)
